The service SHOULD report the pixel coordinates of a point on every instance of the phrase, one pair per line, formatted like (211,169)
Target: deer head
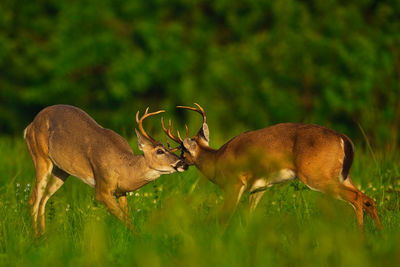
(157,156)
(191,146)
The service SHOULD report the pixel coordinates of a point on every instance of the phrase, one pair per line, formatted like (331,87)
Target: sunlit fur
(63,141)
(318,156)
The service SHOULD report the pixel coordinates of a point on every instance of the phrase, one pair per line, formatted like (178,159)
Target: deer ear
(204,133)
(190,145)
(142,141)
(187,144)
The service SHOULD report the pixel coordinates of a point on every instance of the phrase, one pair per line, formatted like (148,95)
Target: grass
(177,226)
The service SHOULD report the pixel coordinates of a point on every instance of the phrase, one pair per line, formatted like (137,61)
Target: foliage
(249,63)
(175,216)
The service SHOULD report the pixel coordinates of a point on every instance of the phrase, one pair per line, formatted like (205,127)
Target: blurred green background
(248,63)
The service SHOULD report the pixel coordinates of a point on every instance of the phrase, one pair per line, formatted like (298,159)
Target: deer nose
(185,166)
(181,166)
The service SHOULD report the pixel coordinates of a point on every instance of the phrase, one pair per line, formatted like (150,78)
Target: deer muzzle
(181,166)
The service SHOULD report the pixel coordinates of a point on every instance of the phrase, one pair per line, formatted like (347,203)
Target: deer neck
(206,161)
(144,171)
(137,174)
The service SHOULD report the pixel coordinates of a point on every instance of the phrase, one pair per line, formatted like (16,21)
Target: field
(176,219)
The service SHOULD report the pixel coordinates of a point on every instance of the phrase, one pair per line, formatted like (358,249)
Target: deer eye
(160,151)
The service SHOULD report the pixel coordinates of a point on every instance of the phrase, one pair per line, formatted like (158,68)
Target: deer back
(75,142)
(286,146)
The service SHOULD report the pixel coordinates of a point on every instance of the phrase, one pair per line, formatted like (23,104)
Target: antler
(171,135)
(140,122)
(199,110)
(170,132)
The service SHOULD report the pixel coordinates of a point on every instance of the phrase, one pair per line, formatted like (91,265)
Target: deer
(64,140)
(255,160)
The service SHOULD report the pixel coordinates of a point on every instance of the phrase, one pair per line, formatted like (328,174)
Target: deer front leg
(108,199)
(255,199)
(233,193)
(123,203)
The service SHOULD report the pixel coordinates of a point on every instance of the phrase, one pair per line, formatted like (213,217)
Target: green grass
(177,226)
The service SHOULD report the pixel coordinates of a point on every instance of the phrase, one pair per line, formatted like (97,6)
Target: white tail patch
(25,132)
(341,160)
(342,146)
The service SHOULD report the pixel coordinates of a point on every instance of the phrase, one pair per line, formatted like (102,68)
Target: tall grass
(177,224)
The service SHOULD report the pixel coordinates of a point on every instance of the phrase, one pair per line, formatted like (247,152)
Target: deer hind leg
(233,194)
(43,168)
(38,150)
(347,192)
(55,181)
(367,203)
(331,185)
(355,198)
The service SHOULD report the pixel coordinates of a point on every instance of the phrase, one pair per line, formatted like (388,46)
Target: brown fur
(320,157)
(63,141)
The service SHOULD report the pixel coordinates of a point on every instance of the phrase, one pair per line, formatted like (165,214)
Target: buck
(63,140)
(253,161)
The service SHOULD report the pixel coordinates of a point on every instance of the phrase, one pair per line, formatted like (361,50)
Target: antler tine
(187,131)
(169,146)
(198,110)
(202,112)
(162,125)
(169,132)
(172,133)
(169,125)
(175,149)
(140,122)
(186,107)
(179,136)
(137,117)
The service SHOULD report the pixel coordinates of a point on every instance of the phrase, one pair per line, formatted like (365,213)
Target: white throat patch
(152,175)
